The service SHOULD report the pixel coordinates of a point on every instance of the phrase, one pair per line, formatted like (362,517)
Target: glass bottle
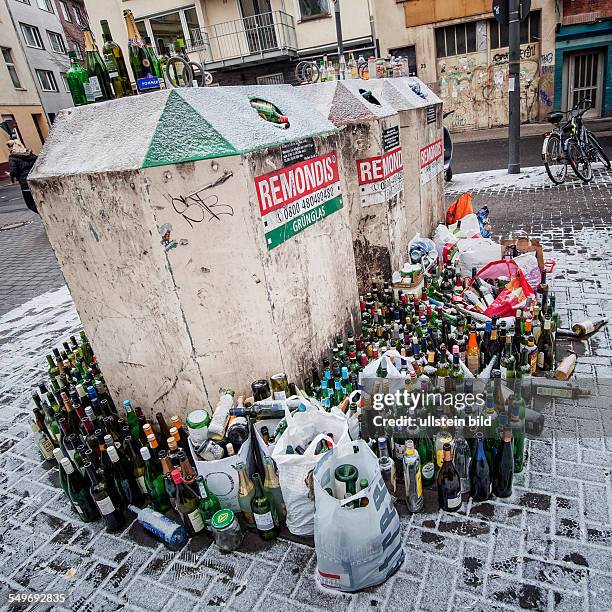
(113,517)
(115,64)
(272,486)
(138,56)
(412,478)
(262,507)
(504,467)
(152,58)
(154,481)
(387,466)
(246,490)
(188,505)
(480,472)
(546,348)
(209,502)
(80,90)
(78,493)
(461,460)
(449,483)
(99,81)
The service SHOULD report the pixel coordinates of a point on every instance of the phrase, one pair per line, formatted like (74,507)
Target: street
(546,548)
(493,154)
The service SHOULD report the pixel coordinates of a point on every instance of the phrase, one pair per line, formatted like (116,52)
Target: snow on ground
(499,179)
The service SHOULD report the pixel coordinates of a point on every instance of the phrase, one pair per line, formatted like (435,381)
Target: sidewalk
(600,126)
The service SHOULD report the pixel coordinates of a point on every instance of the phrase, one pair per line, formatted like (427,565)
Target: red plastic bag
(461,207)
(513,295)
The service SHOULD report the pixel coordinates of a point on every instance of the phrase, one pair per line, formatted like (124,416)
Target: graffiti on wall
(476,87)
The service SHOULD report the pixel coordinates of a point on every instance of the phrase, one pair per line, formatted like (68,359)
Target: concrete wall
(43,59)
(475,84)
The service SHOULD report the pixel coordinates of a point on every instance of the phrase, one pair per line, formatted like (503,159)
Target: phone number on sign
(36,597)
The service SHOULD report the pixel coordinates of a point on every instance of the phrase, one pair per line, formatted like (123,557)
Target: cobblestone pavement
(28,267)
(545,548)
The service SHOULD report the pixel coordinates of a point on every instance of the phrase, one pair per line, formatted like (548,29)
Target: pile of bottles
(110,462)
(361,68)
(104,76)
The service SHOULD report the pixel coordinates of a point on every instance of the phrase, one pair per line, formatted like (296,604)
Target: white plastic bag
(528,263)
(304,429)
(395,380)
(477,253)
(444,240)
(356,547)
(469,228)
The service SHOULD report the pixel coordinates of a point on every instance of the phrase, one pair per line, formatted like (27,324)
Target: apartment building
(43,40)
(461,51)
(73,16)
(21,112)
(243,41)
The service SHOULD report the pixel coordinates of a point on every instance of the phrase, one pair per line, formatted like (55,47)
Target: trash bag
(304,429)
(395,380)
(477,253)
(514,294)
(423,251)
(468,227)
(446,243)
(483,219)
(459,208)
(356,547)
(528,263)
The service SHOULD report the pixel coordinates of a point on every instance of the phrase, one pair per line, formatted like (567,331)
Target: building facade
(21,112)
(461,51)
(73,16)
(583,67)
(42,37)
(243,41)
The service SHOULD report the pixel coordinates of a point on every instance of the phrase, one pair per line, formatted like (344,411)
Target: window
(80,19)
(76,47)
(65,80)
(10,65)
(271,79)
(45,5)
(410,54)
(57,42)
(65,11)
(31,36)
(530,31)
(47,81)
(24,1)
(313,8)
(456,39)
(167,28)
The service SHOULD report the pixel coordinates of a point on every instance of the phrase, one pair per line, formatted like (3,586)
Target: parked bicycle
(571,143)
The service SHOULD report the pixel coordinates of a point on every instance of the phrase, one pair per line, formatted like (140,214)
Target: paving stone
(517,594)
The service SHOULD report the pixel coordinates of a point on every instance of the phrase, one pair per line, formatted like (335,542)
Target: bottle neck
(89,42)
(106,35)
(258,487)
(132,30)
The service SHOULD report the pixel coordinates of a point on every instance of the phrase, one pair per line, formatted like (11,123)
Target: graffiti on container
(197,206)
(167,241)
(546,58)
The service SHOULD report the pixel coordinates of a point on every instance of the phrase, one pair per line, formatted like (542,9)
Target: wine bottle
(518,436)
(387,466)
(504,467)
(588,327)
(449,483)
(262,507)
(272,486)
(99,81)
(546,348)
(113,517)
(480,473)
(78,493)
(124,483)
(246,490)
(80,90)
(412,478)
(426,457)
(188,505)
(154,481)
(146,79)
(209,502)
(461,460)
(115,64)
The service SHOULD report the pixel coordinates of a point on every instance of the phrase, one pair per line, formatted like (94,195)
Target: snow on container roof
(171,127)
(101,137)
(347,102)
(414,93)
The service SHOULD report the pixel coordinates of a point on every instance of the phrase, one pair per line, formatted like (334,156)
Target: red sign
(430,153)
(379,168)
(281,187)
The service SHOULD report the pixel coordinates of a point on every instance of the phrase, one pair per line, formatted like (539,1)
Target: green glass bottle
(188,505)
(272,486)
(99,81)
(209,503)
(115,64)
(78,493)
(507,364)
(424,447)
(262,507)
(518,437)
(78,83)
(152,58)
(146,79)
(154,481)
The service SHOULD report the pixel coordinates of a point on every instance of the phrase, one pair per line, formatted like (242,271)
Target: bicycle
(571,143)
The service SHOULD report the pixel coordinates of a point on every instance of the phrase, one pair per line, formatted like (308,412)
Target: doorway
(258,23)
(585,79)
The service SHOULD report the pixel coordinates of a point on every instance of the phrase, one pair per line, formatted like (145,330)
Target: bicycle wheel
(554,160)
(579,160)
(599,152)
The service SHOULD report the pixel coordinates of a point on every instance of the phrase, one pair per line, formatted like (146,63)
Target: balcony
(266,36)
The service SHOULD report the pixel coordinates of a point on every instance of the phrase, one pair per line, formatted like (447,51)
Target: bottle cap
(144,453)
(67,465)
(58,454)
(197,419)
(127,404)
(222,519)
(176,476)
